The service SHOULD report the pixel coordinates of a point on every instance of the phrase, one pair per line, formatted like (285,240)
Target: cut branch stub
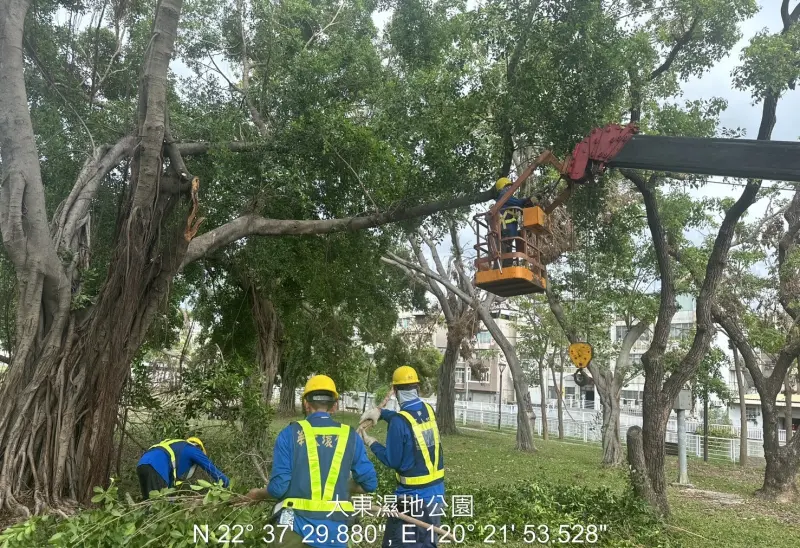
(193,226)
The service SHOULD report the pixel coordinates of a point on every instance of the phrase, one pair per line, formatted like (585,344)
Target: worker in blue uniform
(169,463)
(509,223)
(414,451)
(311,468)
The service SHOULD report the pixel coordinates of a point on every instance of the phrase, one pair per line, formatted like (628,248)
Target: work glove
(368,440)
(373,415)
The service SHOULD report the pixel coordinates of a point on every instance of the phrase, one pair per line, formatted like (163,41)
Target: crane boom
(514,264)
(744,158)
(623,147)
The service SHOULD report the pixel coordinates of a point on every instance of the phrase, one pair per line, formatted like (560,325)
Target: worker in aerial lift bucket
(509,227)
(171,462)
(311,468)
(414,452)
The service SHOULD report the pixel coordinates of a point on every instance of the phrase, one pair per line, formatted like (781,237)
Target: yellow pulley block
(581,354)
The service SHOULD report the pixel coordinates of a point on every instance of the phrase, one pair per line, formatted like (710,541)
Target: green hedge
(716,432)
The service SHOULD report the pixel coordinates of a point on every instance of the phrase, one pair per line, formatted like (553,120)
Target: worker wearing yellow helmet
(413,450)
(509,227)
(171,462)
(311,467)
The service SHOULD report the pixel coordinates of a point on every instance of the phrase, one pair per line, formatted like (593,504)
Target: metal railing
(584,424)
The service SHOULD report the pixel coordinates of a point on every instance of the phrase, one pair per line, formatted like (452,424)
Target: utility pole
(705,423)
(682,403)
(366,389)
(502,367)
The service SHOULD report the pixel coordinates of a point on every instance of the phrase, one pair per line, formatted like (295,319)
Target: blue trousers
(510,230)
(399,533)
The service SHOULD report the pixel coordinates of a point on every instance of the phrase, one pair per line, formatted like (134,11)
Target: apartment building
(683,322)
(479,378)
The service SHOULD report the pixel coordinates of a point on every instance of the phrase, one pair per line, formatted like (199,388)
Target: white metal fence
(584,425)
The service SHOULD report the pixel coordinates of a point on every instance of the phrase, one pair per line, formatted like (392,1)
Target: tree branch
(394,260)
(668,307)
(5,359)
(434,287)
(788,276)
(76,205)
(147,163)
(676,49)
(199,148)
(248,225)
(787,18)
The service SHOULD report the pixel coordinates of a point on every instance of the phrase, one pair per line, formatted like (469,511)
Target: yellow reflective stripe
(420,480)
(415,428)
(166,445)
(336,463)
(433,467)
(318,505)
(436,445)
(323,502)
(313,460)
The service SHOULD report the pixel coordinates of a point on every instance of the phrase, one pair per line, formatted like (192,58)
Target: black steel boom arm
(745,158)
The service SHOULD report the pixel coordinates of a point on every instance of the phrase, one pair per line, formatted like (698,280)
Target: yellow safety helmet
(321,383)
(405,375)
(502,182)
(196,441)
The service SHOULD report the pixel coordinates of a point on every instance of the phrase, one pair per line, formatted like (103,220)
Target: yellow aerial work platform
(510,281)
(511,265)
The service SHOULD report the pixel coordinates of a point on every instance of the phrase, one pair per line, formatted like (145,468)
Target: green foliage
(159,521)
(380,393)
(770,62)
(716,432)
(396,351)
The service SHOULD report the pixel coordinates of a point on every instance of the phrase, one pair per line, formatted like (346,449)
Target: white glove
(368,440)
(373,415)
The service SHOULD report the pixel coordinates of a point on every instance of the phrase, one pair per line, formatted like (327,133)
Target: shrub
(716,432)
(161,522)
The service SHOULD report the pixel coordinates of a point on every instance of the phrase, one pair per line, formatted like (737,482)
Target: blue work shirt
(281,484)
(186,455)
(512,200)
(399,452)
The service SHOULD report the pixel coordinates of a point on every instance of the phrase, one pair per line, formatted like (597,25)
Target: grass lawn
(488,458)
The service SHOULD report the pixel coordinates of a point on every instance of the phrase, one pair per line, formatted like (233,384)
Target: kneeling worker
(414,452)
(170,462)
(311,468)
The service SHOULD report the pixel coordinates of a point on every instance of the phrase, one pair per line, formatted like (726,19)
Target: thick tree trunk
(524,434)
(269,346)
(543,403)
(742,408)
(780,475)
(446,392)
(287,405)
(655,411)
(638,471)
(60,398)
(559,402)
(612,446)
(787,413)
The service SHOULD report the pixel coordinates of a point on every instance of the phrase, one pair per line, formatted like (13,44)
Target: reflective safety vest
(419,429)
(508,216)
(322,500)
(167,446)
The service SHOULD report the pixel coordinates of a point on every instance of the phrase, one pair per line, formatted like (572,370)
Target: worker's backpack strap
(166,445)
(322,500)
(419,429)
